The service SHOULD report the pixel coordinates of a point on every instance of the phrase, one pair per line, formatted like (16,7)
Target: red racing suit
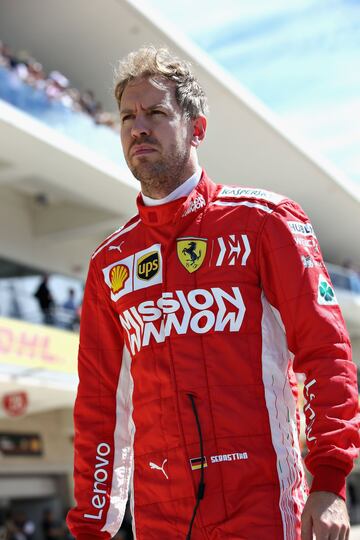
(191,315)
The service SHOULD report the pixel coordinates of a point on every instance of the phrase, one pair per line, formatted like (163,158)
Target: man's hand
(325,515)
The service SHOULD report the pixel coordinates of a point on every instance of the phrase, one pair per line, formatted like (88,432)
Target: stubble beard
(161,177)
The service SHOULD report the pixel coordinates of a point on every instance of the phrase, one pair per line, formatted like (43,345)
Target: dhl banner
(38,346)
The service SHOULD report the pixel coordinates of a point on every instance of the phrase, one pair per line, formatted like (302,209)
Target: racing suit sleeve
(102,461)
(296,283)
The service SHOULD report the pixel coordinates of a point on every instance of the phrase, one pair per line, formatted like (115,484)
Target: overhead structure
(59,199)
(244,144)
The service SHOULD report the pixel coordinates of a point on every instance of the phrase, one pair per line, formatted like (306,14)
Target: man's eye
(127,117)
(156,111)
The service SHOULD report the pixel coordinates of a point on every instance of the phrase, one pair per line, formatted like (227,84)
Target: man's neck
(161,187)
(182,190)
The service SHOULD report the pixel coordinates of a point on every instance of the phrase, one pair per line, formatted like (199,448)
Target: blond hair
(150,62)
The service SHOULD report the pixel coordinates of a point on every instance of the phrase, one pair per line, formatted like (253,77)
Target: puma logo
(117,247)
(157,467)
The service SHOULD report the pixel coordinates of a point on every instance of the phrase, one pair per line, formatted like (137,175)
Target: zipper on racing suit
(201,485)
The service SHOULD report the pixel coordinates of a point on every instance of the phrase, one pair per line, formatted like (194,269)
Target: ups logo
(148,265)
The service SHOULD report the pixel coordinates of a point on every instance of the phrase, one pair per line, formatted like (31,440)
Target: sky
(301,58)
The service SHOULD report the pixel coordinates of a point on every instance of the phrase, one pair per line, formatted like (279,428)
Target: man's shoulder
(261,201)
(244,194)
(112,242)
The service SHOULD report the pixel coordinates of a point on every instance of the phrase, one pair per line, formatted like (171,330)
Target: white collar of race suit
(179,210)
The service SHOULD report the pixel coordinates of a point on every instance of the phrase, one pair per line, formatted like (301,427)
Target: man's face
(155,135)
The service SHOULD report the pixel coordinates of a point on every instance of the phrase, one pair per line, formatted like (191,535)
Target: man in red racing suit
(192,313)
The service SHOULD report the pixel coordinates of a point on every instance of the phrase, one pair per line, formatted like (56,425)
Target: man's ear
(199,130)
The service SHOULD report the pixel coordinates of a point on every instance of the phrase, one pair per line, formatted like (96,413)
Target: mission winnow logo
(178,312)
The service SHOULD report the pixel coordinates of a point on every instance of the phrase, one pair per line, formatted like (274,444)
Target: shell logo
(118,276)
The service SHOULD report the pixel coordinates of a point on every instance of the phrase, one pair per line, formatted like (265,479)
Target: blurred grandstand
(64,186)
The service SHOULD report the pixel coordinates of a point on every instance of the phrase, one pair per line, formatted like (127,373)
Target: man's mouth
(140,150)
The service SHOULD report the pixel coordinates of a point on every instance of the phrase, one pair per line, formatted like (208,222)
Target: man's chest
(195,279)
(218,248)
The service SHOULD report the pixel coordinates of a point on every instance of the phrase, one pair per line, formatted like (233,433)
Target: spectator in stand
(75,95)
(89,103)
(19,527)
(69,304)
(36,76)
(45,299)
(52,528)
(76,325)
(104,118)
(56,86)
(5,55)
(25,525)
(70,310)
(14,307)
(21,62)
(10,527)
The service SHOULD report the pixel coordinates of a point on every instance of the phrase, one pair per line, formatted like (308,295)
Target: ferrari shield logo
(191,252)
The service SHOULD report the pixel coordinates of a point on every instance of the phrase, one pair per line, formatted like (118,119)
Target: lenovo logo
(101,476)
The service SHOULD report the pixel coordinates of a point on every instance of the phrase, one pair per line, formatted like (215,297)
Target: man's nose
(140,127)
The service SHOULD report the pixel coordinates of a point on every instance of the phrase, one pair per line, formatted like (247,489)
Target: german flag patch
(195,463)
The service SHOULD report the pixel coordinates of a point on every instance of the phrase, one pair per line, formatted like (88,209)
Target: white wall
(19,242)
